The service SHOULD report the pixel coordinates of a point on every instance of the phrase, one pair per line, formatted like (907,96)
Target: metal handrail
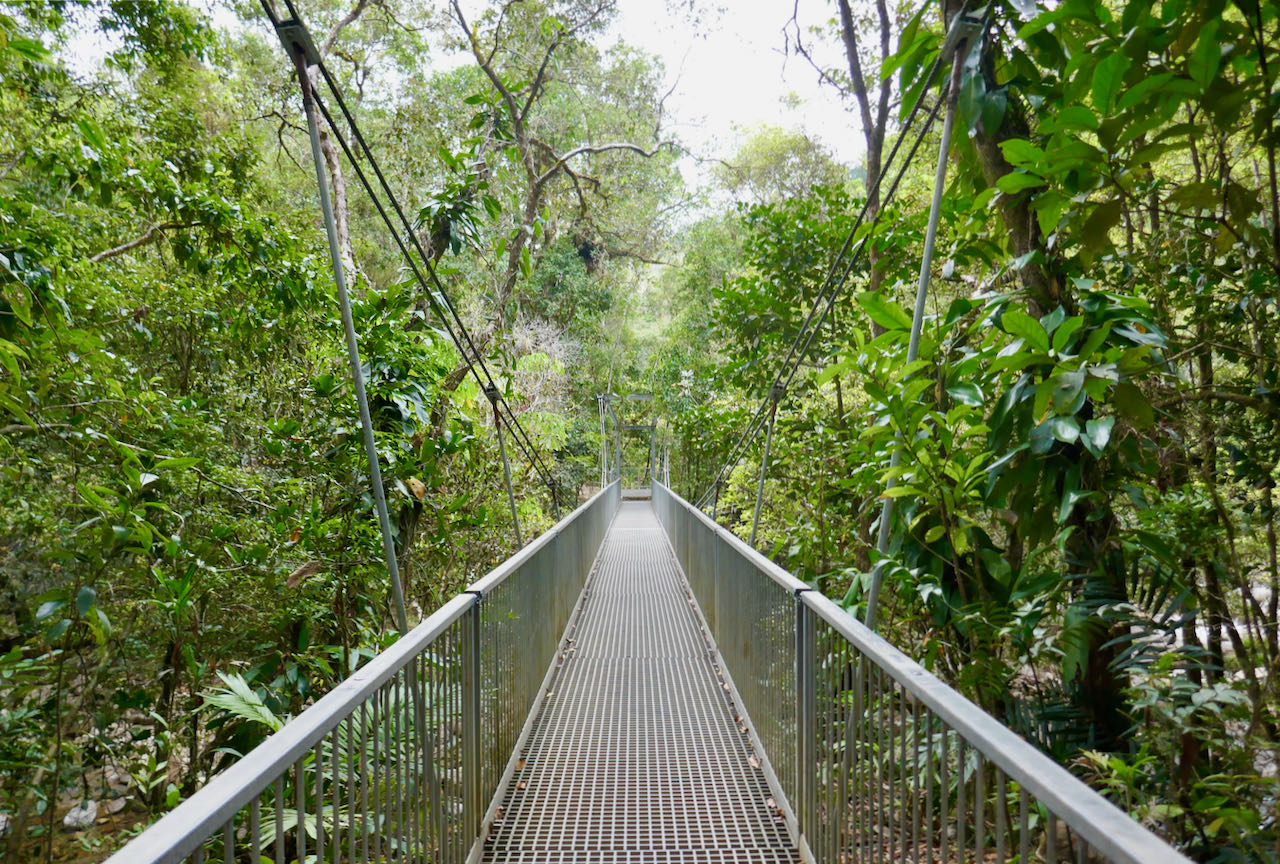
(183,830)
(433,693)
(852,690)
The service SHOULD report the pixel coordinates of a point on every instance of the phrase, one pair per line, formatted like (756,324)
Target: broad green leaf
(1042,437)
(90,494)
(1067,394)
(1204,61)
(900,492)
(965,394)
(85,600)
(1021,152)
(48,608)
(177,462)
(1143,89)
(1069,501)
(1017,181)
(1097,432)
(1018,323)
(1065,429)
(1049,207)
(1062,336)
(1095,233)
(1051,320)
(1108,76)
(1205,196)
(1131,402)
(884,311)
(1076,117)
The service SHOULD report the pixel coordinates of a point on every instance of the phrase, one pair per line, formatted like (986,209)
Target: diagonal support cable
(301,57)
(961,30)
(293,32)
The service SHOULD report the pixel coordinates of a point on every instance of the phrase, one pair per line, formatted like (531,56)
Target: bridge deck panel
(636,753)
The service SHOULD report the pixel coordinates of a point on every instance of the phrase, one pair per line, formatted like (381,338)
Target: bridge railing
(876,758)
(398,762)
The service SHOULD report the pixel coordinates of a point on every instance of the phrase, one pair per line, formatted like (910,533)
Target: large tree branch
(332,164)
(504,93)
(147,236)
(849,35)
(538,79)
(599,148)
(350,18)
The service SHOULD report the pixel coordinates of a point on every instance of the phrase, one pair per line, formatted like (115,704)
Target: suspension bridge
(638,684)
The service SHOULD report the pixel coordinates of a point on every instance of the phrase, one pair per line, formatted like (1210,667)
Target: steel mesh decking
(636,754)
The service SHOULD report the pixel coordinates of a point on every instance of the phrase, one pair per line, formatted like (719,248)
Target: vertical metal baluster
(805,704)
(1082,848)
(300,794)
(255,831)
(979,808)
(411,757)
(885,745)
(471,771)
(458,826)
(348,724)
(229,841)
(435,810)
(335,775)
(915,777)
(402,834)
(927,819)
(1051,838)
(382,773)
(424,772)
(900,711)
(279,814)
(365,769)
(1024,826)
(197,857)
(962,754)
(867,793)
(379,775)
(318,764)
(944,792)
(878,776)
(845,795)
(835,805)
(1002,814)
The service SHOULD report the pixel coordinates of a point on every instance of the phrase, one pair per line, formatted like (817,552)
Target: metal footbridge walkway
(639,685)
(637,752)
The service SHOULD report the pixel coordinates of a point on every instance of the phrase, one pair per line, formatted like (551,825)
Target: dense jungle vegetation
(1085,533)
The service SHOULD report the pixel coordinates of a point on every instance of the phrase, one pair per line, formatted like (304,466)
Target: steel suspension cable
(473,359)
(837,277)
(832,286)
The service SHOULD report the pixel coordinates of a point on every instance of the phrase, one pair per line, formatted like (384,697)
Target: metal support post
(775,394)
(472,805)
(604,444)
(922,293)
(806,717)
(299,54)
(492,393)
(653,453)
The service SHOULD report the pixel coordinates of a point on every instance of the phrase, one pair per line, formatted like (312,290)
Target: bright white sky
(734,74)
